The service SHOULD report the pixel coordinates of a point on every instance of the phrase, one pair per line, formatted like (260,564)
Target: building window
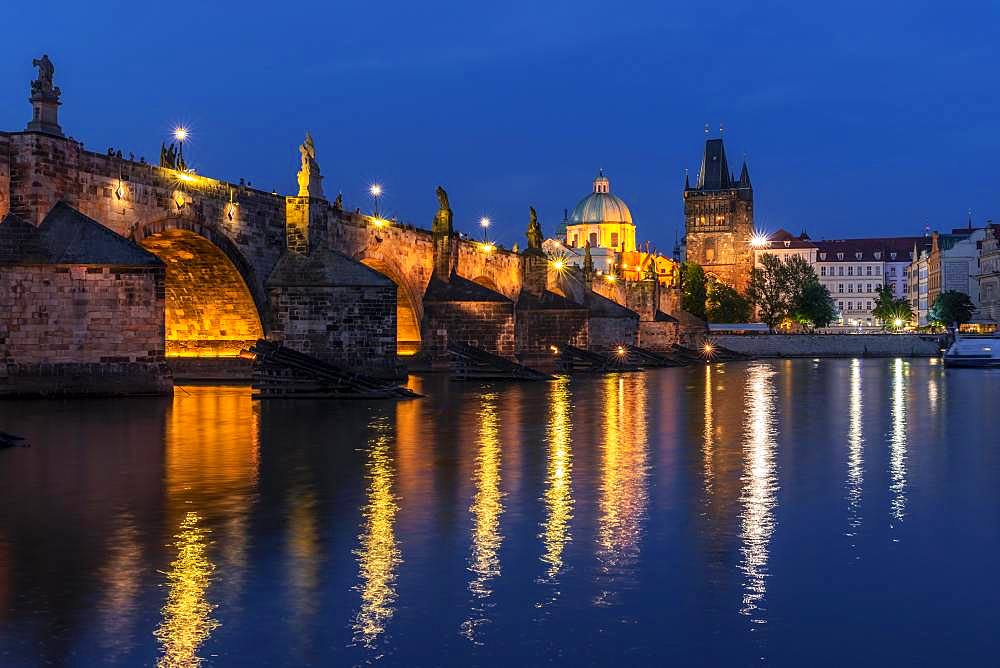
(822,256)
(840,271)
(869,286)
(593,239)
(857,256)
(840,287)
(850,287)
(878,255)
(869,270)
(892,255)
(868,306)
(576,240)
(850,271)
(822,271)
(850,306)
(892,271)
(840,256)
(840,306)
(614,240)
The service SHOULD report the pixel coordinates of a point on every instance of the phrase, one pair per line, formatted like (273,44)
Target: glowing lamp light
(484,222)
(379,222)
(558,265)
(487,247)
(610,278)
(375,190)
(554,349)
(898,322)
(181,133)
(708,348)
(621,351)
(760,240)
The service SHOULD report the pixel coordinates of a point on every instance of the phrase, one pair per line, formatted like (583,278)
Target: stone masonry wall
(833,345)
(351,326)
(4,174)
(486,325)
(608,333)
(79,329)
(539,330)
(658,335)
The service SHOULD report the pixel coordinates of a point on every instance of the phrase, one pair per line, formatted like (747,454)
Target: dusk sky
(857,118)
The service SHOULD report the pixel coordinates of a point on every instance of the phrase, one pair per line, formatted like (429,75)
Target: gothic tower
(718,218)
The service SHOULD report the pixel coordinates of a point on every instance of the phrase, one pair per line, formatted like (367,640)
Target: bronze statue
(442,219)
(651,268)
(534,233)
(338,203)
(42,86)
(588,260)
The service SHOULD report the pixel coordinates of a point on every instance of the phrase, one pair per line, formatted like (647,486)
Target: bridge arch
(488,283)
(214,303)
(409,306)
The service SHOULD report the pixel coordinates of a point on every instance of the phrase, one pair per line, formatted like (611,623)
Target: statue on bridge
(42,86)
(310,180)
(534,233)
(168,156)
(588,260)
(443,217)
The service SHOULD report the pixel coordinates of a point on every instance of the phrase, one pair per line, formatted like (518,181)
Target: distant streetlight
(181,133)
(759,240)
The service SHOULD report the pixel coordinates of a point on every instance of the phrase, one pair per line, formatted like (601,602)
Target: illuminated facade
(718,219)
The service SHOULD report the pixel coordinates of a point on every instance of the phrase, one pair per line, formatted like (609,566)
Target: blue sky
(856,118)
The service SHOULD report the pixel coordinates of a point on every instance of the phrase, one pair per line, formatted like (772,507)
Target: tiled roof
(66,236)
(901,246)
(459,289)
(785,239)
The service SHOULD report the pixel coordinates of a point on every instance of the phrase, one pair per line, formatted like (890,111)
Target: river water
(834,512)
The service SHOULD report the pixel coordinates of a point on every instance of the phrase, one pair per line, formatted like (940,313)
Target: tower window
(593,239)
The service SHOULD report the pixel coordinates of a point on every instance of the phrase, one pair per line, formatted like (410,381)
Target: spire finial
(722,129)
(706,129)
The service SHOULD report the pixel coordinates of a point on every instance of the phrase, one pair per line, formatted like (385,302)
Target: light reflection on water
(638,515)
(487,506)
(378,555)
(558,497)
(760,484)
(855,446)
(897,441)
(187,614)
(623,495)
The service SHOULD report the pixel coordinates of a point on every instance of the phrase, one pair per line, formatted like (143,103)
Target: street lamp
(375,190)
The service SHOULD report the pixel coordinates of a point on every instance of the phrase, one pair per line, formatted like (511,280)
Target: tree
(951,306)
(814,305)
(694,290)
(769,290)
(725,304)
(891,310)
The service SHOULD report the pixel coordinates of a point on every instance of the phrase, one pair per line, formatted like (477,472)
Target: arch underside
(407,319)
(210,311)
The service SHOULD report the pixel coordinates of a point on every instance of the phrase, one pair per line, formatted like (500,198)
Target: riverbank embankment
(833,345)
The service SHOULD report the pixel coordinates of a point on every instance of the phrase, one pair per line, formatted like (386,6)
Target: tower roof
(601,206)
(714,172)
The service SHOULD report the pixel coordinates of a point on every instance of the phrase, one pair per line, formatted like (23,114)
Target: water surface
(835,512)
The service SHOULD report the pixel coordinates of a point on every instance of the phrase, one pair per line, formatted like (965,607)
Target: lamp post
(484,223)
(181,134)
(375,190)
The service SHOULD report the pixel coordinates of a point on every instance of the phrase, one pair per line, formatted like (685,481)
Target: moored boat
(974,352)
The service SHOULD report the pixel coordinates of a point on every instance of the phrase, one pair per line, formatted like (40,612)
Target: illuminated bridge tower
(718,218)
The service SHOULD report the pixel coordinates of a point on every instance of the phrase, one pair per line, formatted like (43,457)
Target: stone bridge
(238,263)
(220,241)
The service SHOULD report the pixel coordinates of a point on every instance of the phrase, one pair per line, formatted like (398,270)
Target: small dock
(472,363)
(571,359)
(283,373)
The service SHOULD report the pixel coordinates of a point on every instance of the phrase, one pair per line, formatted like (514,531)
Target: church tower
(718,218)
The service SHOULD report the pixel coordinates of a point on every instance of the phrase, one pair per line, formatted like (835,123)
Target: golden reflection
(622,503)
(487,505)
(187,614)
(303,553)
(378,555)
(559,470)
(897,442)
(709,433)
(855,449)
(757,499)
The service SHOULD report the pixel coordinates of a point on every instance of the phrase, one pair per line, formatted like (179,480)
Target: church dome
(601,206)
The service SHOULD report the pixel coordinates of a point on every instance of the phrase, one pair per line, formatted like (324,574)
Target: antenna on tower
(706,129)
(721,129)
